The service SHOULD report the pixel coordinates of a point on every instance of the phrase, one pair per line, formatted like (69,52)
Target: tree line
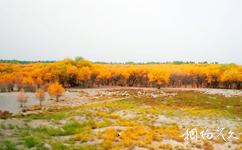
(100,62)
(85,74)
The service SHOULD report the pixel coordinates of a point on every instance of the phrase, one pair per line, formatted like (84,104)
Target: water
(8,101)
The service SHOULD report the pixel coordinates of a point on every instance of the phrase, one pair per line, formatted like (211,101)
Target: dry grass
(138,130)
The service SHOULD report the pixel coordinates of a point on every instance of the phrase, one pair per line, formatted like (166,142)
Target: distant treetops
(83,73)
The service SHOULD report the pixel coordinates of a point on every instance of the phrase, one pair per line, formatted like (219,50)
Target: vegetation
(22,98)
(137,119)
(83,73)
(56,89)
(40,94)
(125,124)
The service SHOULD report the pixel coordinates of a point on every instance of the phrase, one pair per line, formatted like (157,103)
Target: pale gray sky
(122,30)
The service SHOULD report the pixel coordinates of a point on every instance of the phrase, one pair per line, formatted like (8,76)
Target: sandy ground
(76,97)
(224,92)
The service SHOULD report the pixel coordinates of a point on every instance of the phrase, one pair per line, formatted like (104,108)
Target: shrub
(56,89)
(22,98)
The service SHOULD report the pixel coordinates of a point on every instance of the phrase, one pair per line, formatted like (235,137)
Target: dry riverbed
(129,118)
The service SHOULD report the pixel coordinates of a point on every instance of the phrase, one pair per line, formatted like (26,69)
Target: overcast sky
(122,30)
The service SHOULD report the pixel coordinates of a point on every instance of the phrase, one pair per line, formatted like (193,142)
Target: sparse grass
(8,145)
(165,147)
(75,127)
(87,147)
(83,136)
(138,131)
(198,103)
(55,115)
(168,132)
(3,126)
(50,131)
(57,145)
(104,123)
(109,136)
(138,135)
(125,122)
(70,128)
(31,141)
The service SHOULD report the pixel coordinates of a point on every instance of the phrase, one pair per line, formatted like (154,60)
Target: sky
(122,30)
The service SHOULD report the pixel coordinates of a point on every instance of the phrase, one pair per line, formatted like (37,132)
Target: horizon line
(116,62)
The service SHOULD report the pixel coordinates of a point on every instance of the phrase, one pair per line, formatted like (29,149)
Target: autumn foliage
(85,74)
(56,90)
(22,98)
(40,95)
